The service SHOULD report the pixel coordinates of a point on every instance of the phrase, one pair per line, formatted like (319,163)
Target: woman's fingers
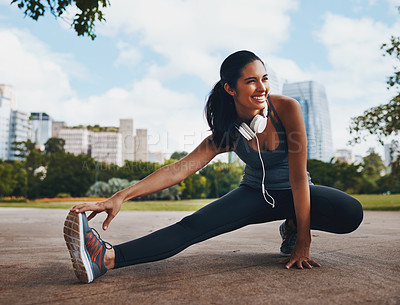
(87,207)
(106,222)
(299,263)
(314,263)
(92,215)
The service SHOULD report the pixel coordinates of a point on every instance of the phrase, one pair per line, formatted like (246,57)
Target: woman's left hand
(300,257)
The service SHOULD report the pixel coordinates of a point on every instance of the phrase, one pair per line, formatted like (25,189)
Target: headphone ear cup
(258,123)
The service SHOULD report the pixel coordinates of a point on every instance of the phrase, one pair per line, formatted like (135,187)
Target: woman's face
(251,89)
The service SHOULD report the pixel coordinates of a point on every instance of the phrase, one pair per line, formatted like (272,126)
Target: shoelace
(102,241)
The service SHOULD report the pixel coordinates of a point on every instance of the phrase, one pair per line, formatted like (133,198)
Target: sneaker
(87,250)
(289,237)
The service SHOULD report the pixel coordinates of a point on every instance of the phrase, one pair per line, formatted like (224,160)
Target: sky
(156,61)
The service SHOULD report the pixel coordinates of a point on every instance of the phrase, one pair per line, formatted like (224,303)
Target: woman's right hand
(111,206)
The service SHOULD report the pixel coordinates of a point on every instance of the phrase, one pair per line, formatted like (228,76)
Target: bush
(63,195)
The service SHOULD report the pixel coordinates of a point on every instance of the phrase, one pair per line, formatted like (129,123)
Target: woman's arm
(162,178)
(293,122)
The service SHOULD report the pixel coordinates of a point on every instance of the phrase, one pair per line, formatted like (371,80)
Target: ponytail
(221,116)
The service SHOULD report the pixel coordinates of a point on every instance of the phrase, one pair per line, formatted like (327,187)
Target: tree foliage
(54,145)
(383,120)
(89,11)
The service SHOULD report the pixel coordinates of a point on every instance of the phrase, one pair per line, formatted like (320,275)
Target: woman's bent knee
(354,216)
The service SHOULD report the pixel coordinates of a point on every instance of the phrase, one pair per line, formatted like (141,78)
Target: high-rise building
(5,115)
(41,128)
(314,105)
(14,124)
(20,129)
(128,145)
(141,147)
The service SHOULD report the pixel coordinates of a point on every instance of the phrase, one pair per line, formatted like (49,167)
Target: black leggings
(331,211)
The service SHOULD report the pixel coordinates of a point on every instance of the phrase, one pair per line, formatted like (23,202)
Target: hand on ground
(300,257)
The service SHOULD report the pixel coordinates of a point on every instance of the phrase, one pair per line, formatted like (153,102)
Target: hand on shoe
(300,257)
(111,206)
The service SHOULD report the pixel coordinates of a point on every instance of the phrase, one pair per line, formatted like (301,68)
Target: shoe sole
(74,238)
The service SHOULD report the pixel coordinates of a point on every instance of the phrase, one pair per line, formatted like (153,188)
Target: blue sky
(155,61)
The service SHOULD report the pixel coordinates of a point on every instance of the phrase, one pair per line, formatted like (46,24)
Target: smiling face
(251,90)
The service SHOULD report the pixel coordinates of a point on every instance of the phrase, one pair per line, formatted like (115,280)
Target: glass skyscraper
(41,128)
(314,105)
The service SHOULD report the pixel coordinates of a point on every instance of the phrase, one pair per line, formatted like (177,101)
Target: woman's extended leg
(236,209)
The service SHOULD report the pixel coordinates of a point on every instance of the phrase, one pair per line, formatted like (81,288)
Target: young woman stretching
(267,132)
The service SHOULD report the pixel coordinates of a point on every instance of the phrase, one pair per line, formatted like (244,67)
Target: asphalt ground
(240,267)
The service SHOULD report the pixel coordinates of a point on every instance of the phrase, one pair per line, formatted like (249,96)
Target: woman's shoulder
(285,106)
(279,101)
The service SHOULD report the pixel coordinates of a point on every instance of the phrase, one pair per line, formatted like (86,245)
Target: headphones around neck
(257,125)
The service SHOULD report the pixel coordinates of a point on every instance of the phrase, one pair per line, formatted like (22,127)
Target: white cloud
(193,35)
(288,69)
(39,76)
(359,70)
(128,56)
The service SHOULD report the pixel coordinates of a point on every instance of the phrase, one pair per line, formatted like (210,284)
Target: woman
(268,134)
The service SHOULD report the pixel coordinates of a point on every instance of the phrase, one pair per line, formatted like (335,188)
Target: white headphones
(257,125)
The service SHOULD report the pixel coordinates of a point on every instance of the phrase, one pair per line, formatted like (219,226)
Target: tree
(22,149)
(222,177)
(7,183)
(84,21)
(178,155)
(383,120)
(54,145)
(67,173)
(372,164)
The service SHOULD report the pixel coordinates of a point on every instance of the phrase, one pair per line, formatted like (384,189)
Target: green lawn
(369,202)
(380,202)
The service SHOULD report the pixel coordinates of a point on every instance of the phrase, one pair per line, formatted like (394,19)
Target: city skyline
(160,72)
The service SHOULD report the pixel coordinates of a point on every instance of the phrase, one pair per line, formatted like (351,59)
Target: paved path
(240,267)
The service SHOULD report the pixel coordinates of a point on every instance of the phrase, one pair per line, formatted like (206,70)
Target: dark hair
(220,108)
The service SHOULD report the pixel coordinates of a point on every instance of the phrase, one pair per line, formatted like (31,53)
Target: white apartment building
(106,146)
(76,140)
(110,146)
(14,124)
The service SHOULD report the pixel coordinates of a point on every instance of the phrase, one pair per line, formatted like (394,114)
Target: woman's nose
(261,86)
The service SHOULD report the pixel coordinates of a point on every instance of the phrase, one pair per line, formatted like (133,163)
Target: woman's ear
(228,89)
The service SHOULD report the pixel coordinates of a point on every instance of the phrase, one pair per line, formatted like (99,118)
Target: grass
(369,202)
(173,205)
(377,202)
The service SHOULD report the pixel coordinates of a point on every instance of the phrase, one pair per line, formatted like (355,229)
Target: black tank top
(275,161)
